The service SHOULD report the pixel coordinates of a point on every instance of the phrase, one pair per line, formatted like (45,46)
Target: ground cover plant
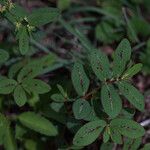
(74,75)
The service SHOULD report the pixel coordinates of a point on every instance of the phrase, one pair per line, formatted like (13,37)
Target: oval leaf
(121,57)
(43,16)
(132,95)
(81,108)
(128,128)
(89,133)
(58,98)
(3,56)
(38,123)
(115,135)
(35,85)
(23,40)
(3,127)
(30,70)
(100,65)
(107,146)
(9,140)
(132,144)
(20,96)
(132,71)
(110,100)
(7,86)
(80,79)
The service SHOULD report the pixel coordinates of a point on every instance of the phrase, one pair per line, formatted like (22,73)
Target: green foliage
(81,109)
(128,128)
(3,56)
(80,79)
(20,96)
(88,133)
(100,65)
(23,40)
(38,123)
(110,100)
(43,16)
(132,144)
(121,57)
(7,86)
(63,4)
(71,99)
(132,95)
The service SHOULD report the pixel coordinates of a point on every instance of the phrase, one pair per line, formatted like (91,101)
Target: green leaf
(63,4)
(132,95)
(31,144)
(110,100)
(106,135)
(43,16)
(38,123)
(121,57)
(62,91)
(81,109)
(20,96)
(35,85)
(146,147)
(128,128)
(3,56)
(30,70)
(100,65)
(14,69)
(3,127)
(132,71)
(88,133)
(17,12)
(115,135)
(9,140)
(23,40)
(132,144)
(107,146)
(104,32)
(58,98)
(79,79)
(7,86)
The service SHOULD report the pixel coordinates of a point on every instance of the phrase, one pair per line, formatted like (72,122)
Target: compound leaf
(38,123)
(89,133)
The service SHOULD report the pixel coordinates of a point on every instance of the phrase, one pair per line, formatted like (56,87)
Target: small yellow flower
(2,8)
(30,28)
(18,25)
